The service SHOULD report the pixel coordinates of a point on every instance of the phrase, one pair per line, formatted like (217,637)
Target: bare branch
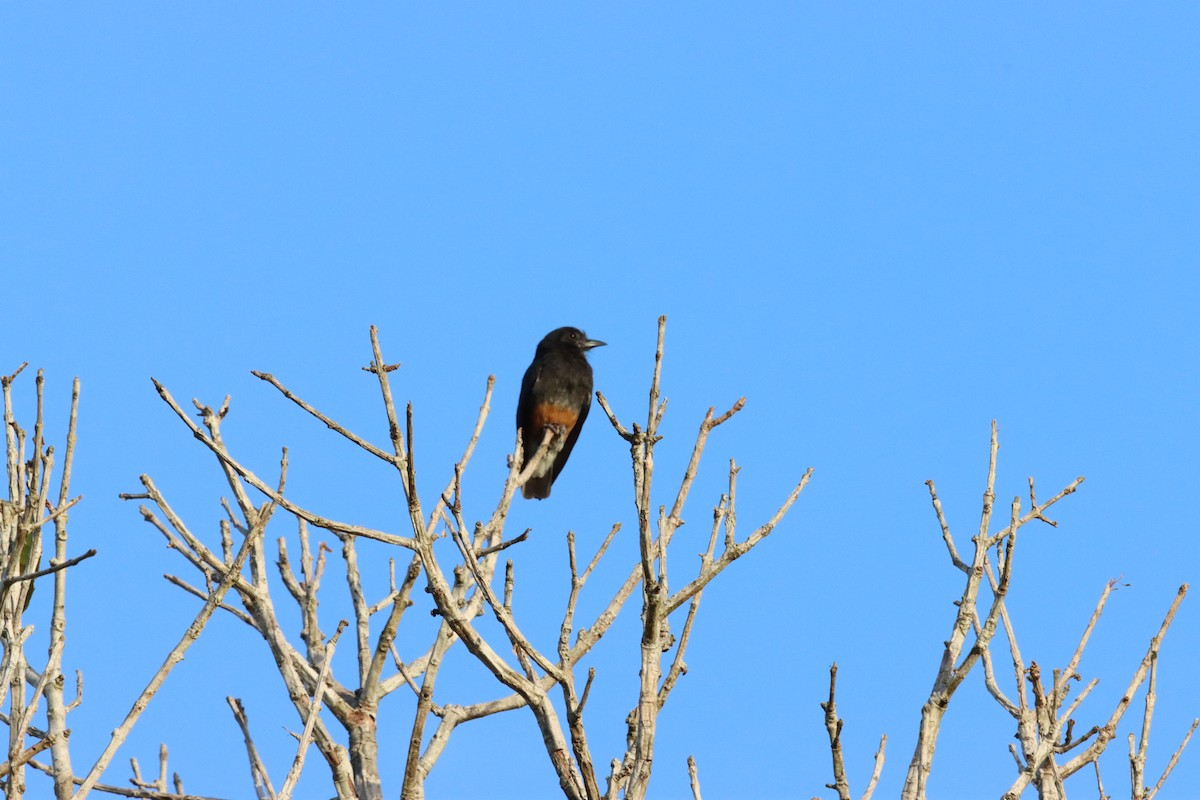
(8,766)
(877,770)
(693,778)
(187,587)
(621,430)
(330,423)
(496,548)
(137,794)
(289,784)
(740,549)
(1173,761)
(461,466)
(833,726)
(48,571)
(249,477)
(1099,783)
(946,537)
(263,790)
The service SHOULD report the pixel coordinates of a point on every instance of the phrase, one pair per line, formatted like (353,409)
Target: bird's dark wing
(572,435)
(530,439)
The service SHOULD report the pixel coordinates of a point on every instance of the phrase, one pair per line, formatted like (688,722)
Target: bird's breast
(546,414)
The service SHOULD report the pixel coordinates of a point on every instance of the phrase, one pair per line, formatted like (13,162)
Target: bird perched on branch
(556,394)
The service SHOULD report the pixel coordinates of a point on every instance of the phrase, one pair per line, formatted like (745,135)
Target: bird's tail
(537,487)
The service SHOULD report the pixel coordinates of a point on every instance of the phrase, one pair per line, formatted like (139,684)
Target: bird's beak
(590,343)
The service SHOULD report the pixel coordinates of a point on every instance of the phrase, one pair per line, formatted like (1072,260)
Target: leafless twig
(693,778)
(263,790)
(289,784)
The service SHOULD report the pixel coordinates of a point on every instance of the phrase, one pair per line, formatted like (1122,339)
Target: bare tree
(1045,729)
(31,507)
(459,574)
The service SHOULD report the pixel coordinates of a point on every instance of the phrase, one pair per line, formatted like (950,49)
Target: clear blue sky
(883,226)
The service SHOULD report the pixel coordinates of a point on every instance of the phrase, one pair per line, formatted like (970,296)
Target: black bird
(556,393)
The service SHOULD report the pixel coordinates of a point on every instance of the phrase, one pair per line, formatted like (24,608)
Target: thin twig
(289,784)
(263,790)
(47,571)
(878,769)
(833,727)
(137,794)
(8,766)
(1173,761)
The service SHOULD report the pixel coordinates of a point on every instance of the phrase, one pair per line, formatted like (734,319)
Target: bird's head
(568,338)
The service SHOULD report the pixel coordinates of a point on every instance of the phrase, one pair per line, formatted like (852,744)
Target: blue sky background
(883,226)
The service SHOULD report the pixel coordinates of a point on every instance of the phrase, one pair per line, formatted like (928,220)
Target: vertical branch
(833,726)
(402,453)
(11,459)
(15,785)
(37,485)
(289,783)
(574,704)
(1137,760)
(484,409)
(693,778)
(372,688)
(263,790)
(948,678)
(721,513)
(645,718)
(1100,783)
(362,616)
(413,778)
(877,770)
(655,413)
(56,712)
